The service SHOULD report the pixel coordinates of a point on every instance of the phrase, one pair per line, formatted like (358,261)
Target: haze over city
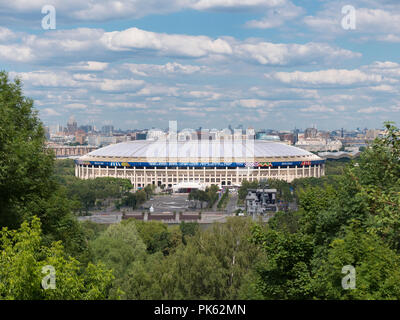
(265,64)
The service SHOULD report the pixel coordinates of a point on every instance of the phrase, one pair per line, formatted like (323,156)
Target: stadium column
(237,175)
(259,174)
(288,173)
(204,175)
(188,174)
(315,170)
(303,171)
(155,176)
(76,171)
(166,176)
(269,172)
(134,178)
(115,171)
(194,175)
(226,176)
(296,172)
(107,171)
(215,174)
(309,170)
(177,176)
(99,171)
(124,172)
(248,174)
(279,172)
(87,172)
(144,177)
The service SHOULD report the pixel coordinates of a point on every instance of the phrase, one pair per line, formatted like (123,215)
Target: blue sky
(263,63)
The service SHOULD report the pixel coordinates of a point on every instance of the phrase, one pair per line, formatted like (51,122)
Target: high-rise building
(72,126)
(107,130)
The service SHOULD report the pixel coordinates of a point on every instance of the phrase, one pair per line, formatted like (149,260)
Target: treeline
(209,195)
(99,193)
(151,261)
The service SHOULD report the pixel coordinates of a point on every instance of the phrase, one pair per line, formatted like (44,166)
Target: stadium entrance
(187,187)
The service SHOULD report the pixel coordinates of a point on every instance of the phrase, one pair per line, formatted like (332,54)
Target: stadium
(197,164)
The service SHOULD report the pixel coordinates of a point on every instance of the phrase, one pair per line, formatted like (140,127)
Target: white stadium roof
(200,149)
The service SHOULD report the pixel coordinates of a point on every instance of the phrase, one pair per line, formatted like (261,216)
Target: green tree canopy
(23,257)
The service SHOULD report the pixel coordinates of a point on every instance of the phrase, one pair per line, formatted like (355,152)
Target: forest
(351,217)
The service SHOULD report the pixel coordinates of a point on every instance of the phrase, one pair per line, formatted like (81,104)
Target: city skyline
(99,127)
(264,64)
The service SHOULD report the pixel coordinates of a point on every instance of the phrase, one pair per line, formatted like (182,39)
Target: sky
(273,64)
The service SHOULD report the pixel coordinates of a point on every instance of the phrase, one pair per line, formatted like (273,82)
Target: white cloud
(250,103)
(384,88)
(89,66)
(120,84)
(6,34)
(76,106)
(146,70)
(50,112)
(84,45)
(46,79)
(377,20)
(276,17)
(317,108)
(328,77)
(16,53)
(235,4)
(267,53)
(101,10)
(371,110)
(164,44)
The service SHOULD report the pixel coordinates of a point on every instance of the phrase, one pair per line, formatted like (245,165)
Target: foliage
(377,268)
(223,201)
(209,195)
(188,229)
(350,220)
(25,164)
(155,236)
(23,257)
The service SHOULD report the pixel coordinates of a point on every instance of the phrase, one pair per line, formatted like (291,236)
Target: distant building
(86,128)
(107,130)
(47,132)
(261,201)
(72,126)
(80,136)
(310,133)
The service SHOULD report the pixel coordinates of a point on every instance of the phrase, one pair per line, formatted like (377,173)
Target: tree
(23,257)
(155,235)
(213,264)
(118,246)
(377,268)
(26,165)
(285,272)
(188,229)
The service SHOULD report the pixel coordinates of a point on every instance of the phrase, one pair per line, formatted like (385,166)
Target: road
(231,206)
